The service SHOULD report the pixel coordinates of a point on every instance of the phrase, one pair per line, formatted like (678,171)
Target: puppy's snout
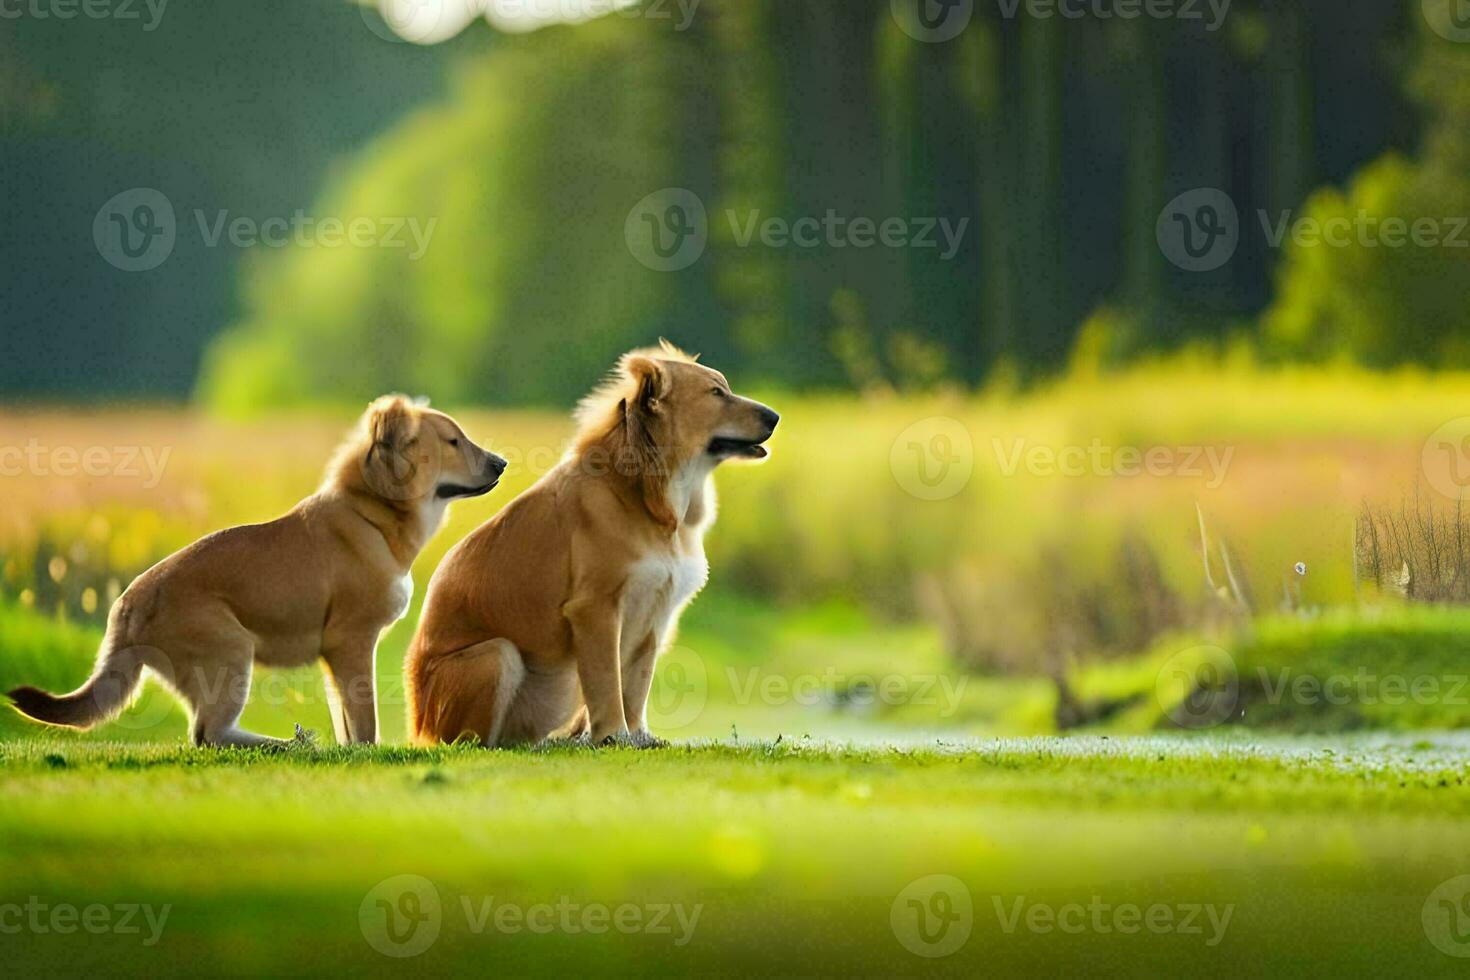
(769,417)
(495,465)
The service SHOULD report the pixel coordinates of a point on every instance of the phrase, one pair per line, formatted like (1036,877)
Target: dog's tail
(113,682)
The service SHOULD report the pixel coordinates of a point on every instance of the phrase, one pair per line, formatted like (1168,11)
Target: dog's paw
(646,740)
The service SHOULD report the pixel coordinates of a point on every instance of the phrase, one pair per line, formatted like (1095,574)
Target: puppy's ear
(392,427)
(392,423)
(651,383)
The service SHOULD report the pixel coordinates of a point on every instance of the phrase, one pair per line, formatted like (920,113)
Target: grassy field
(842,797)
(1120,857)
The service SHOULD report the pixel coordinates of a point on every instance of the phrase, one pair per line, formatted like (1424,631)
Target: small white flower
(1301,568)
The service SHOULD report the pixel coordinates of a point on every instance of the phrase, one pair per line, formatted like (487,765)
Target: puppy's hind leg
(216,696)
(468,693)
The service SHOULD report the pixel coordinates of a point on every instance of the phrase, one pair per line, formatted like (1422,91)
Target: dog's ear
(392,423)
(651,383)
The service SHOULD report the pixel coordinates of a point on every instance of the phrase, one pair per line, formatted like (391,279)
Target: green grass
(794,853)
(799,835)
(1398,668)
(829,671)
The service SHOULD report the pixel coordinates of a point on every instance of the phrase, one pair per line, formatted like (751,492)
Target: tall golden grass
(831,514)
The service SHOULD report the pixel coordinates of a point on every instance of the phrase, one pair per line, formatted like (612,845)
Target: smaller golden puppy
(323,582)
(549,618)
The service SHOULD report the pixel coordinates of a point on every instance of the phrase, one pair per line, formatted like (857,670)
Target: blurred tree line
(1059,140)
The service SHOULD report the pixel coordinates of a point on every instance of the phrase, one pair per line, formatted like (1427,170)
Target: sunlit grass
(830,516)
(777,843)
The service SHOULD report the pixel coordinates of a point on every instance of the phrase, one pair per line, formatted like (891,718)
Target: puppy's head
(415,454)
(690,411)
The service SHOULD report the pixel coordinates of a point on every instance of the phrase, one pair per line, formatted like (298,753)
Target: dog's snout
(769,417)
(495,464)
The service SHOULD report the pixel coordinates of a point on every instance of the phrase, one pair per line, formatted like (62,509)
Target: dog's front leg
(637,681)
(354,682)
(596,624)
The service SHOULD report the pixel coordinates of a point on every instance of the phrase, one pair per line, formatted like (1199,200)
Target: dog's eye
(718,392)
(454,443)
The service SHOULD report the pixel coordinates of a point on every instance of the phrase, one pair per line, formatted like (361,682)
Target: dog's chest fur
(657,588)
(400,597)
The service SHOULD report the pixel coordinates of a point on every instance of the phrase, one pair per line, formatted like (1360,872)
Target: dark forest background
(1060,140)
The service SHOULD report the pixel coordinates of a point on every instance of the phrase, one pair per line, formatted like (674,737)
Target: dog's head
(689,411)
(415,454)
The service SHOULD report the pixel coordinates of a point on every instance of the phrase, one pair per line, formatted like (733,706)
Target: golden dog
(323,582)
(548,619)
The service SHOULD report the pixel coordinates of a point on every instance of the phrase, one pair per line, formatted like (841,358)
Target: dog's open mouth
(724,448)
(451,491)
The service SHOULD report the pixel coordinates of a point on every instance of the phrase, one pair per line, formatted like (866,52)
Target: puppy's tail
(111,686)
